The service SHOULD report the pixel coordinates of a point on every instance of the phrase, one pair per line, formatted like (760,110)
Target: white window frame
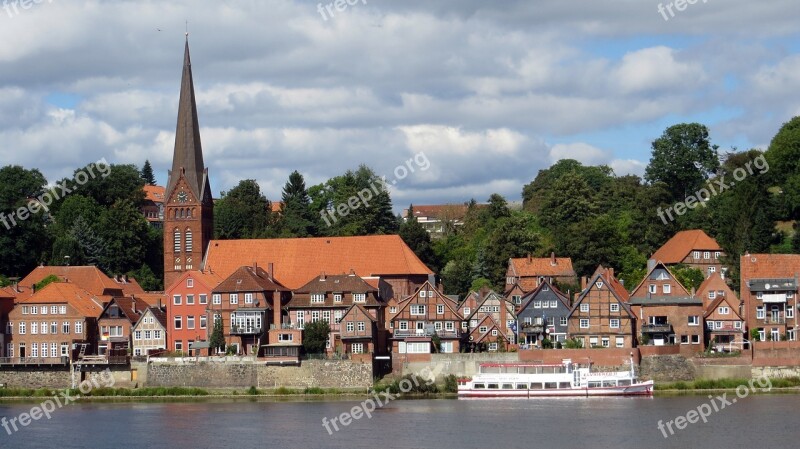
(440,309)
(613,323)
(584,307)
(584,323)
(613,307)
(666,288)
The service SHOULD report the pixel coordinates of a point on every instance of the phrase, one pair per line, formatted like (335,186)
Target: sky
(489,92)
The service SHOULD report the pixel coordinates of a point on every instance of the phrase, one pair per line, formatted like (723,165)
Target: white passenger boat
(528,380)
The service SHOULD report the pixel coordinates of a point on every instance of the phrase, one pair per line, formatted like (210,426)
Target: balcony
(246,330)
(779,319)
(661,328)
(533,328)
(272,327)
(424,333)
(725,327)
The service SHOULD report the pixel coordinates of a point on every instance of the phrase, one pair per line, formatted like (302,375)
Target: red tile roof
(435,211)
(681,244)
(152,299)
(154,193)
(768,266)
(542,266)
(67,293)
(300,259)
(7,292)
(89,278)
(339,283)
(126,306)
(209,279)
(249,279)
(715,283)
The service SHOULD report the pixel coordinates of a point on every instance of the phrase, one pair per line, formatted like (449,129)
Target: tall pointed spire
(188,153)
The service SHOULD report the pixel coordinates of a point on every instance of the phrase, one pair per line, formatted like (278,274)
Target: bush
(451,384)
(253,391)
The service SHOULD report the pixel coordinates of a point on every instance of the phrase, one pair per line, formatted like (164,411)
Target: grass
(725,384)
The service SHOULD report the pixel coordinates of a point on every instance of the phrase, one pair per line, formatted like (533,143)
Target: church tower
(189,208)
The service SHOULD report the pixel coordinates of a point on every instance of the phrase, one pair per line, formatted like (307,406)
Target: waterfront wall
(666,368)
(60,377)
(311,373)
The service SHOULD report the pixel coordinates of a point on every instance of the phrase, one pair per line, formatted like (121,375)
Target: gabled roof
(67,293)
(128,307)
(7,293)
(297,260)
(159,314)
(611,283)
(436,211)
(732,302)
(717,284)
(452,306)
(154,193)
(209,279)
(249,279)
(490,324)
(681,244)
(638,294)
(90,278)
(529,297)
(151,298)
(489,295)
(542,266)
(362,309)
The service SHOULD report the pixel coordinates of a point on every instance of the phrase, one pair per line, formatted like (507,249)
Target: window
(157,335)
(301,319)
(22,328)
(53,310)
(317,298)
(79,327)
(314,316)
(759,295)
(248,298)
(684,339)
(584,323)
(361,326)
(54,327)
(216,298)
(737,325)
(25,310)
(9,327)
(562,321)
(790,312)
(716,255)
(706,255)
(404,325)
(176,241)
(337,316)
(417,309)
(9,349)
(34,328)
(696,255)
(44,328)
(448,326)
(178,323)
(760,313)
(64,349)
(711,270)
(44,310)
(724,310)
(483,329)
(712,294)
(62,310)
(234,298)
(359,297)
(203,298)
(667,289)
(464,325)
(418,348)
(189,283)
(440,309)
(178,346)
(176,300)
(34,310)
(137,351)
(545,304)
(423,294)
(137,335)
(189,300)
(584,307)
(326,316)
(592,342)
(652,288)
(604,342)
(285,337)
(614,323)
(34,350)
(537,304)
(393,309)
(695,339)
(620,342)
(203,321)
(599,284)
(493,346)
(466,311)
(553,304)
(528,320)
(337,297)
(516,299)
(188,240)
(350,326)
(694,320)
(614,307)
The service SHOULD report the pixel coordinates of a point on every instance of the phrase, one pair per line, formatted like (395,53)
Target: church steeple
(188,154)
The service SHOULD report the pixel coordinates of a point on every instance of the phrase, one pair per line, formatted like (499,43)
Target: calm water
(758,421)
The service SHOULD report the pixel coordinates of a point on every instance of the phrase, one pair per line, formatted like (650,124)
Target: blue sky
(491,92)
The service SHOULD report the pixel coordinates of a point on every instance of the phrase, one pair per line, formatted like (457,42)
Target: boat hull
(639,389)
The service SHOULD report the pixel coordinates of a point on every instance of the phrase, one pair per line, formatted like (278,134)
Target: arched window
(177,240)
(188,240)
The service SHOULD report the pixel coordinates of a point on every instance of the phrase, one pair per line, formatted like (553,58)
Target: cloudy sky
(490,91)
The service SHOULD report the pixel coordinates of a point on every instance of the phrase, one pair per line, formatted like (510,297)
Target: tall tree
(297,219)
(512,237)
(147,173)
(418,239)
(683,158)
(23,238)
(242,213)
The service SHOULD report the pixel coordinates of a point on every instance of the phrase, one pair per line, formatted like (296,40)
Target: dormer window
(359,297)
(317,298)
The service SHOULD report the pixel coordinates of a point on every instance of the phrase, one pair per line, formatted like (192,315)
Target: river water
(768,421)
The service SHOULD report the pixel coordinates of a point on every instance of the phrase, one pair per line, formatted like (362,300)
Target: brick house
(769,289)
(329,297)
(438,219)
(153,206)
(601,316)
(420,316)
(529,272)
(667,314)
(48,325)
(89,278)
(297,260)
(693,248)
(6,306)
(115,323)
(188,300)
(490,335)
(722,313)
(544,313)
(359,331)
(514,295)
(150,332)
(502,311)
(468,305)
(250,302)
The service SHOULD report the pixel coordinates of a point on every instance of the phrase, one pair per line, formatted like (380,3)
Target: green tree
(217,340)
(570,200)
(512,237)
(23,242)
(535,194)
(457,277)
(123,234)
(45,282)
(106,184)
(148,280)
(242,213)
(683,158)
(147,174)
(315,337)
(689,277)
(419,240)
(297,218)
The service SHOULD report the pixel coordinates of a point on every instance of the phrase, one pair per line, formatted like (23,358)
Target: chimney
(125,278)
(133,303)
(530,258)
(503,316)
(553,259)
(584,281)
(693,292)
(276,310)
(255,267)
(271,271)
(322,276)
(651,263)
(159,303)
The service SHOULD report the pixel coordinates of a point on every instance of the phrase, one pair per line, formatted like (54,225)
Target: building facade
(693,248)
(769,290)
(150,332)
(189,300)
(601,316)
(543,314)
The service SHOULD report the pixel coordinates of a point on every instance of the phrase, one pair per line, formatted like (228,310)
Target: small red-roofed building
(489,335)
(153,206)
(693,248)
(189,304)
(420,316)
(150,332)
(529,272)
(601,316)
(115,323)
(769,290)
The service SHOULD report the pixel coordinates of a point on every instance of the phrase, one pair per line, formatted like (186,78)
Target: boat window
(550,385)
(609,383)
(493,386)
(595,384)
(624,383)
(536,386)
(479,386)
(564,385)
(508,386)
(522,386)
